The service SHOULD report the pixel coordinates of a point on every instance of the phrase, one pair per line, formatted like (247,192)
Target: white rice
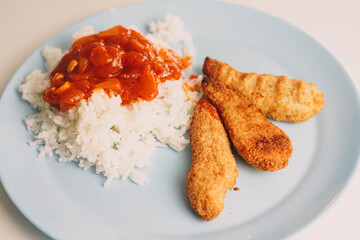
(171,32)
(118,140)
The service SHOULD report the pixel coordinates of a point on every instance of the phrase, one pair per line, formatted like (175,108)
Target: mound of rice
(117,140)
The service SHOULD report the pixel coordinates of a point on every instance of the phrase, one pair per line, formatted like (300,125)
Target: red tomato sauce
(118,61)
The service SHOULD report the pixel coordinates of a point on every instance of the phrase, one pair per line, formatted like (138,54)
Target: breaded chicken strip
(262,144)
(278,97)
(213,169)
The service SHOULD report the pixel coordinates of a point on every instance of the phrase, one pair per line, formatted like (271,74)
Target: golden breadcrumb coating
(262,144)
(213,168)
(278,97)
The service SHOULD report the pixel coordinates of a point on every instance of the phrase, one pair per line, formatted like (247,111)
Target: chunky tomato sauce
(118,61)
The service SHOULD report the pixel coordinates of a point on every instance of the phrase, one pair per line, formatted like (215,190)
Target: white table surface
(25,25)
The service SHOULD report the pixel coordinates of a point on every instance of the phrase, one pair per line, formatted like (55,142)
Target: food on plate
(119,61)
(110,101)
(213,169)
(278,97)
(262,144)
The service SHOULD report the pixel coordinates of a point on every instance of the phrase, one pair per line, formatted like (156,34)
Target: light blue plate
(68,203)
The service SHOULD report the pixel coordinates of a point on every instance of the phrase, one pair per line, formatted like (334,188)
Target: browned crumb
(213,168)
(278,97)
(262,144)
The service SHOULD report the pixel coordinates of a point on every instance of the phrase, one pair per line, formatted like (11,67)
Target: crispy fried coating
(213,169)
(278,97)
(262,144)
